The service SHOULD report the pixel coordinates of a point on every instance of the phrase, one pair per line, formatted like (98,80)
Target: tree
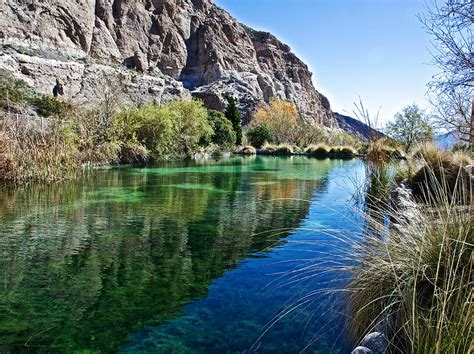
(452,111)
(224,134)
(411,126)
(232,113)
(259,135)
(281,118)
(451,25)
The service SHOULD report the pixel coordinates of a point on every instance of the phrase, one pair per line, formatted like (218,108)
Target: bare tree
(451,25)
(453,111)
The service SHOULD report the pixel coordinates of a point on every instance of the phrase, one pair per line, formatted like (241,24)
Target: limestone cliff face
(177,48)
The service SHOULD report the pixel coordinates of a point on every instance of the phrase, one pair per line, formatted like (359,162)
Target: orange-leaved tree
(281,117)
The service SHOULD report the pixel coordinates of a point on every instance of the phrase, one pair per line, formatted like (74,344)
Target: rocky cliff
(157,49)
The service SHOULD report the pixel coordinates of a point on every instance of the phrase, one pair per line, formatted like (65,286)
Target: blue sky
(375,49)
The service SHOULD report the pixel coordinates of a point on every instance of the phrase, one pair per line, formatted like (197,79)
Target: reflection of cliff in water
(84,264)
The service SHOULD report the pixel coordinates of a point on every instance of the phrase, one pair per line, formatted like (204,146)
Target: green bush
(259,135)
(14,91)
(173,130)
(224,134)
(47,106)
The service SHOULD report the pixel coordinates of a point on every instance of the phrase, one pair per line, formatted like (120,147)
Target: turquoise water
(215,256)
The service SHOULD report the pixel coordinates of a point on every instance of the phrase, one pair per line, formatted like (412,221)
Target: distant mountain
(446,141)
(355,127)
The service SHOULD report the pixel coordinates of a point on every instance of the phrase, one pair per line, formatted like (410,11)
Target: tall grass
(29,153)
(407,268)
(419,271)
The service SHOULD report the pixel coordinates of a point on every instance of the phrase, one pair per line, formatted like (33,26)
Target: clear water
(191,257)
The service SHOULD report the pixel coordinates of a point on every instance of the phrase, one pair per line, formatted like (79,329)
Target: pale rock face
(85,83)
(175,43)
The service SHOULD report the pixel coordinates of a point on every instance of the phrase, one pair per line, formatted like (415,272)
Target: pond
(213,256)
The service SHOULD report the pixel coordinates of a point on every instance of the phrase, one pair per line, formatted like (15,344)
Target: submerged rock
(362,350)
(376,341)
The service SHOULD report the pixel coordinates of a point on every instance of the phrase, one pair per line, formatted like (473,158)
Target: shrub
(172,130)
(233,115)
(320,149)
(377,152)
(307,134)
(268,148)
(441,170)
(14,91)
(259,135)
(47,106)
(43,155)
(224,134)
(341,138)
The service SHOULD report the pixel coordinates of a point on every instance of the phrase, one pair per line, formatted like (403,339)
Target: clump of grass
(430,154)
(248,150)
(418,271)
(319,149)
(343,150)
(269,148)
(462,158)
(440,169)
(377,153)
(284,149)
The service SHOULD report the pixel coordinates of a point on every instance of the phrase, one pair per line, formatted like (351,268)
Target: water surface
(190,257)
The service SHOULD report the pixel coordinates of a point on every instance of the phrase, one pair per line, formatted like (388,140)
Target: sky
(373,49)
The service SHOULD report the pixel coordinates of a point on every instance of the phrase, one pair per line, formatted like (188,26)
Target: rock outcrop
(158,49)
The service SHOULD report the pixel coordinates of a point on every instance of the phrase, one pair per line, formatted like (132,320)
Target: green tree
(224,134)
(411,126)
(232,113)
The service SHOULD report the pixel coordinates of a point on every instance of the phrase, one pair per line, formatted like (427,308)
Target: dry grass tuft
(248,150)
(441,170)
(284,149)
(320,149)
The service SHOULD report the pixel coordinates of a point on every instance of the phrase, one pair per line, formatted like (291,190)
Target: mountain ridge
(175,48)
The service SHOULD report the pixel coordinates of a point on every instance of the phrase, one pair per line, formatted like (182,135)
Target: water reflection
(85,264)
